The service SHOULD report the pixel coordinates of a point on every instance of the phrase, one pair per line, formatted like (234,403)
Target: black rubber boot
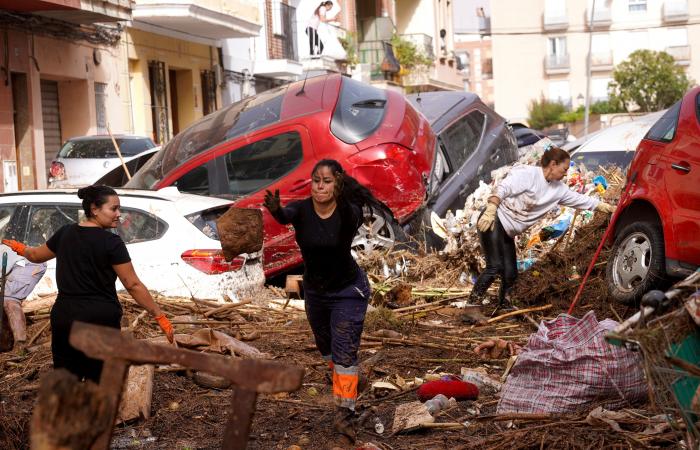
(345,423)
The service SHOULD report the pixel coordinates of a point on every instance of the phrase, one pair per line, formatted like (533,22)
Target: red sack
(460,390)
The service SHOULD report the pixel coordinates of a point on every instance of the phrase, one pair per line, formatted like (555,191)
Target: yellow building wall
(188,59)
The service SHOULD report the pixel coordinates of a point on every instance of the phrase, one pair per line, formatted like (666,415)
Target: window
(440,171)
(599,89)
(359,112)
(45,220)
(556,46)
(676,37)
(664,129)
(139,226)
(257,165)
(559,91)
(463,137)
(196,181)
(637,5)
(276,13)
(104,148)
(7,229)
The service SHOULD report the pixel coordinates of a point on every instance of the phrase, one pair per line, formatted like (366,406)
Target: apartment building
(472,25)
(280,53)
(540,47)
(174,64)
(61,73)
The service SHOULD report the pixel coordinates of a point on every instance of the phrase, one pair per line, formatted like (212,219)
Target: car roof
(96,137)
(441,106)
(624,137)
(185,203)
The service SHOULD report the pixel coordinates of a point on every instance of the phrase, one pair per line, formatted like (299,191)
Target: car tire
(378,233)
(637,262)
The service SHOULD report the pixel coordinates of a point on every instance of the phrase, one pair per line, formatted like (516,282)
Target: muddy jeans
(336,319)
(501,260)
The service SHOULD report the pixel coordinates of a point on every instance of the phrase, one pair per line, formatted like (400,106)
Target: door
(682,179)
(24,149)
(51,118)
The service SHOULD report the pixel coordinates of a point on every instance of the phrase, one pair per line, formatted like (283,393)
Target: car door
(458,143)
(280,158)
(682,181)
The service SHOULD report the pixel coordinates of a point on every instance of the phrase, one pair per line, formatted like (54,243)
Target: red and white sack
(567,365)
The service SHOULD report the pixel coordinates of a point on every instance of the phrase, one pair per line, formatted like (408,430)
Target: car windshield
(104,147)
(593,160)
(226,124)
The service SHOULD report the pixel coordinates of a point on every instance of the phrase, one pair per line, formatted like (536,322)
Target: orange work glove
(166,326)
(16,247)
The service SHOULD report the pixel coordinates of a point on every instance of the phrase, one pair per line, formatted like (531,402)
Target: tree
(544,113)
(649,80)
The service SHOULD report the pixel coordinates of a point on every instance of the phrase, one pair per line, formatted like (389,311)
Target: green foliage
(349,43)
(571,116)
(607,107)
(544,113)
(648,79)
(407,54)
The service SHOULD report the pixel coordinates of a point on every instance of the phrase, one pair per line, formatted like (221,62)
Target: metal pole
(588,75)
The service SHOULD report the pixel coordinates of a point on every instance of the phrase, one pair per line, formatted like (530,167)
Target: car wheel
(377,233)
(637,262)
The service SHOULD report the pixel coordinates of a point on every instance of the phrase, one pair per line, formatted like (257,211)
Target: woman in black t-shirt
(336,290)
(89,258)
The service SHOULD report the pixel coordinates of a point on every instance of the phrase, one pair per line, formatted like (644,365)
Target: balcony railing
(680,53)
(601,18)
(555,20)
(675,11)
(423,43)
(554,64)
(602,61)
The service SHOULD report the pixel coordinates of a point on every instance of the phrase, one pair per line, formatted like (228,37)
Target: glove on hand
(605,207)
(166,326)
(488,218)
(16,247)
(272,202)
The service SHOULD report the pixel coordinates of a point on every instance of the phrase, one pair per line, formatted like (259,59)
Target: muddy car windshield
(104,148)
(229,123)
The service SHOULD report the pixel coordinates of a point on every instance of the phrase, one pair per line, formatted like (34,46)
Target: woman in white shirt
(517,203)
(319,15)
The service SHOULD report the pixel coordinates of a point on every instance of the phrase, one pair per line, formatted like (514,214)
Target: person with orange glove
(89,258)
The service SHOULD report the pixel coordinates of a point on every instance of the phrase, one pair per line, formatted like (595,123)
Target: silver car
(83,160)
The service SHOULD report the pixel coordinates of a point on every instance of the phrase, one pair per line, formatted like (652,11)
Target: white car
(171,238)
(83,160)
(615,145)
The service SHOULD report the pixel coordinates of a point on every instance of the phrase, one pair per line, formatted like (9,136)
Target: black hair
(352,191)
(94,195)
(318,8)
(555,154)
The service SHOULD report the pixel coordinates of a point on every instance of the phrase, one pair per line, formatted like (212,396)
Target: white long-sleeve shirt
(526,196)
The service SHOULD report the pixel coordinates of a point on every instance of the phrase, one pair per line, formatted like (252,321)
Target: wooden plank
(253,374)
(137,394)
(111,382)
(240,418)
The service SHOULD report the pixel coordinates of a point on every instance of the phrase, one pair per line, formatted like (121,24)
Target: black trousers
(314,42)
(501,260)
(63,314)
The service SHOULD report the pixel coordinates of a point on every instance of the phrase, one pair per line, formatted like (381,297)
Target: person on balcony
(318,17)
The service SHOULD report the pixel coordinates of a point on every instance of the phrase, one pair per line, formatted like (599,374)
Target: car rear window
(664,129)
(359,112)
(7,229)
(593,160)
(139,226)
(242,117)
(205,221)
(104,148)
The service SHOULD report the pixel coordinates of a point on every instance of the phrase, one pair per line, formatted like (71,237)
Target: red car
(657,231)
(273,140)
